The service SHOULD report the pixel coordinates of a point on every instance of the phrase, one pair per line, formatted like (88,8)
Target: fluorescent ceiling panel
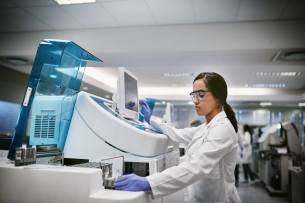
(55,17)
(216,10)
(172,11)
(261,10)
(130,13)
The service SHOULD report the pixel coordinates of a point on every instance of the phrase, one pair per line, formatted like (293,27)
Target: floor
(255,192)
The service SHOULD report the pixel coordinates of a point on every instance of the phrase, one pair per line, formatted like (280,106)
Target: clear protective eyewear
(199,94)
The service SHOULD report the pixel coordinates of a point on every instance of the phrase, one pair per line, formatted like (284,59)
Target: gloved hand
(146,111)
(132,182)
(130,105)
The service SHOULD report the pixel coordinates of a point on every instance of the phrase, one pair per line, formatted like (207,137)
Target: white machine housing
(270,137)
(97,132)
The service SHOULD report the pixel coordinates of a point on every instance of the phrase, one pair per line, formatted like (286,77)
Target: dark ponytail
(231,116)
(218,85)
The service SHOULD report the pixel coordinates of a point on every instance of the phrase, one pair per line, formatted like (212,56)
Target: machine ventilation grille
(45,126)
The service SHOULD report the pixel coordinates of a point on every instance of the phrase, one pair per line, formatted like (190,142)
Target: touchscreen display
(131,93)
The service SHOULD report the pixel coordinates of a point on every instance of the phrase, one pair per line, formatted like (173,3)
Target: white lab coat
(239,151)
(247,148)
(208,171)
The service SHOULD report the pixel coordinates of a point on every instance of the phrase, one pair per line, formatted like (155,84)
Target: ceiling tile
(30,3)
(130,13)
(7,27)
(6,4)
(261,9)
(216,10)
(22,19)
(54,17)
(295,9)
(172,11)
(91,15)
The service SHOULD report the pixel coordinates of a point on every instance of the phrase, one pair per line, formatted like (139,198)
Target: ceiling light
(290,55)
(178,74)
(301,104)
(17,61)
(265,103)
(64,2)
(265,85)
(107,96)
(278,73)
(85,88)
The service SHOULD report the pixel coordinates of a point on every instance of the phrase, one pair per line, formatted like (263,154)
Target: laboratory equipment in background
(297,183)
(279,147)
(257,132)
(297,119)
(76,129)
(169,114)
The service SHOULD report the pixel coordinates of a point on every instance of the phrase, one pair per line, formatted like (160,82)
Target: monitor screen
(127,94)
(131,93)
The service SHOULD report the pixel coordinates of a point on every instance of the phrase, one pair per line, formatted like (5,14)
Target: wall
(12,85)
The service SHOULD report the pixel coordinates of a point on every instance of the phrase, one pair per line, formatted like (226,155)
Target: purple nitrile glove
(146,111)
(132,182)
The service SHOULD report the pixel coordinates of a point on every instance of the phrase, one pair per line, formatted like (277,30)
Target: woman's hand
(146,111)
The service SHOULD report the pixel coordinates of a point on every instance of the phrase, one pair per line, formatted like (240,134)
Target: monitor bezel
(124,112)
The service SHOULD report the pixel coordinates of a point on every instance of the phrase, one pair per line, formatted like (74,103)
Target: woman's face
(209,106)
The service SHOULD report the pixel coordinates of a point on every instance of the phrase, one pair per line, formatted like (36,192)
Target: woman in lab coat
(247,153)
(207,174)
(238,157)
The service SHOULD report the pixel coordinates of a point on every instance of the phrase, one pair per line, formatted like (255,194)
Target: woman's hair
(247,128)
(218,86)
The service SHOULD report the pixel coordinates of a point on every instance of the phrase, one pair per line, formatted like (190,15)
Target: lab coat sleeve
(239,139)
(178,135)
(217,144)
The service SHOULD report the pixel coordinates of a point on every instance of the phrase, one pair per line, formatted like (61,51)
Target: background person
(207,174)
(247,153)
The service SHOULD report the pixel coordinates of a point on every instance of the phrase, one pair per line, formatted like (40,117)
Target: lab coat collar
(219,116)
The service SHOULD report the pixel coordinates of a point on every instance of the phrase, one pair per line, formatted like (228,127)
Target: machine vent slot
(44,126)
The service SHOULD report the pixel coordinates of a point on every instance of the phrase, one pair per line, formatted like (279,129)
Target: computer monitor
(127,94)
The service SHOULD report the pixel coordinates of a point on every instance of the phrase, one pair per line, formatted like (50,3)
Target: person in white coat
(247,154)
(207,174)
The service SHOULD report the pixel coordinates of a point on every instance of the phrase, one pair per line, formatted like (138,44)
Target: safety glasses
(199,94)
